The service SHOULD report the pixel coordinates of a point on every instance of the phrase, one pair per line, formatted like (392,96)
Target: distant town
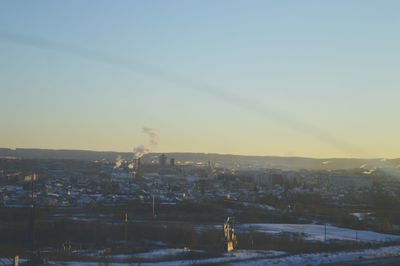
(172,207)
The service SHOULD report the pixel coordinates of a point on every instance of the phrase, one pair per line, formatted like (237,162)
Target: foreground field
(250,257)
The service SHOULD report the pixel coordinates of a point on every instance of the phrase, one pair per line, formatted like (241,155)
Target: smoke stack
(137,167)
(141,150)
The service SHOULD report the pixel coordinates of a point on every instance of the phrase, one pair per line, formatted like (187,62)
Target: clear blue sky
(327,67)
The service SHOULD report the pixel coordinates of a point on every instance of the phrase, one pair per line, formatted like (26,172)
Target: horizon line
(201,152)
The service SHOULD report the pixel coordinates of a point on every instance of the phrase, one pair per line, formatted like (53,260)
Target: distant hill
(61,154)
(223,160)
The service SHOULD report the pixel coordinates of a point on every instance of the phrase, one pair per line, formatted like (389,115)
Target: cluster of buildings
(65,183)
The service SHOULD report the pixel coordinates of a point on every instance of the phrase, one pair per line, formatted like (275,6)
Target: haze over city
(288,78)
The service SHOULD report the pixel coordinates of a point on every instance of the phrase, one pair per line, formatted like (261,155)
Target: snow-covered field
(325,257)
(161,253)
(258,257)
(239,255)
(251,257)
(314,232)
(310,232)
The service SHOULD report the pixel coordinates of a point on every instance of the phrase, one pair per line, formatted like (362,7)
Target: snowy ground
(310,232)
(254,257)
(161,253)
(10,261)
(152,255)
(361,215)
(259,205)
(248,257)
(325,257)
(314,232)
(239,255)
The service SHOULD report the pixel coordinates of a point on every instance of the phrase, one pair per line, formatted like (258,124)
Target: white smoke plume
(118,162)
(154,140)
(141,150)
(369,171)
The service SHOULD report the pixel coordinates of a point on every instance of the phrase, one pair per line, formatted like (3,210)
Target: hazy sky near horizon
(299,78)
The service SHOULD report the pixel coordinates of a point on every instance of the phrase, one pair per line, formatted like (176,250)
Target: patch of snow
(314,232)
(237,255)
(361,215)
(325,257)
(253,257)
(262,206)
(160,253)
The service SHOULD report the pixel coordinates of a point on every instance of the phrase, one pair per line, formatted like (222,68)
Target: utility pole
(126,224)
(325,233)
(32,216)
(357,237)
(154,214)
